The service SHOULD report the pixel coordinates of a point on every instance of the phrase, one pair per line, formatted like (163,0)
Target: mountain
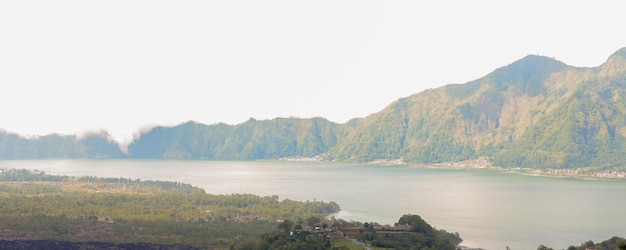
(270,139)
(535,112)
(94,145)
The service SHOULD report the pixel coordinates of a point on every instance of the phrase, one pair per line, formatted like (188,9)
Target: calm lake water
(490,209)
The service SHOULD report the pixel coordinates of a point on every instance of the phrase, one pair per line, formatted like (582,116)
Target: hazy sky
(76,66)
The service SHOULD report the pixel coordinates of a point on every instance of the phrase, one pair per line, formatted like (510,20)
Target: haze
(75,66)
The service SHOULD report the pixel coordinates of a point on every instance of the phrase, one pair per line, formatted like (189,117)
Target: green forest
(41,209)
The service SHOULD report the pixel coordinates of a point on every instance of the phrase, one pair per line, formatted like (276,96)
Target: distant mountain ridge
(253,139)
(93,145)
(535,112)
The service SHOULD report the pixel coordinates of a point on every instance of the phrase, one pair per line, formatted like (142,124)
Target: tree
(311,221)
(285,226)
(417,224)
(543,247)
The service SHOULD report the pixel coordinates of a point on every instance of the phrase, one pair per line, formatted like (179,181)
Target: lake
(489,208)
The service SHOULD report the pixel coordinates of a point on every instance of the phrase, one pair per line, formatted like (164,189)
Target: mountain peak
(526,75)
(535,62)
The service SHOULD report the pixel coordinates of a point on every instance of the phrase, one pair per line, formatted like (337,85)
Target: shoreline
(587,173)
(577,173)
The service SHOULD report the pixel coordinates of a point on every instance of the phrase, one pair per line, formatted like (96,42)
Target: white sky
(76,66)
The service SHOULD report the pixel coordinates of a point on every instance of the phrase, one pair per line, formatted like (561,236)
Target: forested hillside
(270,139)
(535,112)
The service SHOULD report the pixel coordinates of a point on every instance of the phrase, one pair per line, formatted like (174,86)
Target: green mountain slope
(270,139)
(536,112)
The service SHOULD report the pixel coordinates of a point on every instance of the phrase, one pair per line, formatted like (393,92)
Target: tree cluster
(125,210)
(610,244)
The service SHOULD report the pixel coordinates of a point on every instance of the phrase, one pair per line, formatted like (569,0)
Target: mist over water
(490,209)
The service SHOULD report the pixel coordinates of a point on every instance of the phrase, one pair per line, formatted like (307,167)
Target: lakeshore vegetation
(40,209)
